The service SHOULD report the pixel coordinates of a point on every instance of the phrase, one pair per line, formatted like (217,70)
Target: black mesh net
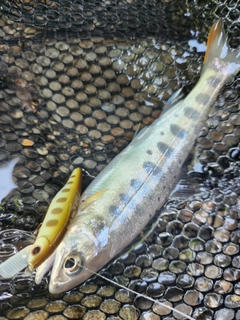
(168,19)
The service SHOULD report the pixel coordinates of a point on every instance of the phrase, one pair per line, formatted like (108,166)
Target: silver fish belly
(126,194)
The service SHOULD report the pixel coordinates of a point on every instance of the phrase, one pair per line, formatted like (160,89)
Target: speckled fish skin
(126,194)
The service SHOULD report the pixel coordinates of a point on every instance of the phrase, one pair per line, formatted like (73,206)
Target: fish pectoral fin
(93,198)
(175,99)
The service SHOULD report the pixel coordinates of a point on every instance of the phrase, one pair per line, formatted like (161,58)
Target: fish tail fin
(219,55)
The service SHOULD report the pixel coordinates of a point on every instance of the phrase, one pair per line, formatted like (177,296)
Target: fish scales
(126,194)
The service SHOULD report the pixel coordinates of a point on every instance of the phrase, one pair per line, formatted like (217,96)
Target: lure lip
(16,263)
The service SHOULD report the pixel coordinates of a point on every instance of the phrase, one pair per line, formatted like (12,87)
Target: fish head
(75,257)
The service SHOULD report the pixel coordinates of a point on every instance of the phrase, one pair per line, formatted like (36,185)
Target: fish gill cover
(76,79)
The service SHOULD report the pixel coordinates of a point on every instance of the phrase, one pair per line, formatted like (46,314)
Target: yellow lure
(56,220)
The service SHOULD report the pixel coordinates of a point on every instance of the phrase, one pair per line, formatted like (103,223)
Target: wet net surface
(75,82)
(119,18)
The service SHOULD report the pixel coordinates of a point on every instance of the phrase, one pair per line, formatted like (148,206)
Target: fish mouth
(60,282)
(57,287)
(65,283)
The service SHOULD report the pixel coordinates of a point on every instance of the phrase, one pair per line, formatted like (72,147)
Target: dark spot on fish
(57,210)
(99,224)
(148,166)
(151,167)
(70,182)
(114,211)
(52,223)
(125,198)
(213,81)
(156,171)
(149,152)
(139,210)
(159,199)
(165,149)
(178,131)
(162,133)
(66,190)
(191,113)
(134,183)
(202,98)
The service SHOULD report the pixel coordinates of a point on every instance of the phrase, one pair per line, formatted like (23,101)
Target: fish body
(126,194)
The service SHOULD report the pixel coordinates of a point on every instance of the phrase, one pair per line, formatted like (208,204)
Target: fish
(126,195)
(7,183)
(61,210)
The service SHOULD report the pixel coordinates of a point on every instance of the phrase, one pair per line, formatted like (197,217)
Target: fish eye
(70,263)
(74,264)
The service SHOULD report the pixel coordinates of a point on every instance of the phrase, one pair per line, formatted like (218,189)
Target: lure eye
(36,250)
(74,264)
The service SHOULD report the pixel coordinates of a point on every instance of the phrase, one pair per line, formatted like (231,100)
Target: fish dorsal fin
(93,198)
(175,98)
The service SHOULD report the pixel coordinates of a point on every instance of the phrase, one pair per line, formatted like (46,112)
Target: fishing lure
(127,193)
(61,209)
(56,220)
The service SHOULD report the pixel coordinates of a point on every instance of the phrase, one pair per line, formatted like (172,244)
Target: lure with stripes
(56,220)
(61,210)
